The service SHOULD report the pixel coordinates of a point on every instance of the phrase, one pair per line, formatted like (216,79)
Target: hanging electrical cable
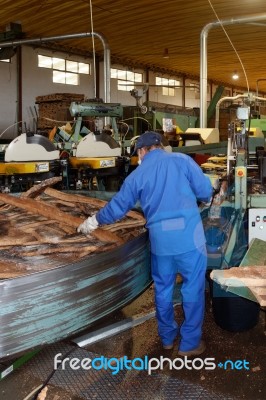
(230,41)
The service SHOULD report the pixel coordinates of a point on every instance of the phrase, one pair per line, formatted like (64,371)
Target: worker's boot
(195,352)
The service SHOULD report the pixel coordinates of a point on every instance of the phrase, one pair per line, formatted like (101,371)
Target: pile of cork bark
(53,109)
(38,229)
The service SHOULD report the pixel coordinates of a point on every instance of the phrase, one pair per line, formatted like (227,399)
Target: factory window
(65,77)
(194,87)
(126,79)
(168,85)
(64,71)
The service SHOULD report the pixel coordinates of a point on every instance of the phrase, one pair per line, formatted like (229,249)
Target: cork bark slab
(252,277)
(40,233)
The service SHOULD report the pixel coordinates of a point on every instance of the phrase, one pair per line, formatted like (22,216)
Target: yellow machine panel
(14,168)
(92,162)
(134,160)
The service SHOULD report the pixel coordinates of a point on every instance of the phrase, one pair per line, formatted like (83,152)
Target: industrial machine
(91,153)
(28,159)
(138,94)
(96,159)
(82,157)
(159,116)
(102,113)
(238,212)
(207,135)
(100,158)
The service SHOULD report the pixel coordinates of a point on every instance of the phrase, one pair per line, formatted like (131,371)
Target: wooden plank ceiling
(138,32)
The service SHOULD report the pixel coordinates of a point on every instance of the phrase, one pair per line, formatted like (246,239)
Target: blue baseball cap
(148,139)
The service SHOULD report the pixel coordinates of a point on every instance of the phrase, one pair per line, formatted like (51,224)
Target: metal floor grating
(126,385)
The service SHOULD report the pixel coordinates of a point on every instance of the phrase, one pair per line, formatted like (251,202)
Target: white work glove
(89,225)
(206,203)
(216,184)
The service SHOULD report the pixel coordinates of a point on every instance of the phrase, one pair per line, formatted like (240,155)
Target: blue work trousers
(192,267)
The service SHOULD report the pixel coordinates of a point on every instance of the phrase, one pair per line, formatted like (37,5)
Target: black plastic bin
(231,312)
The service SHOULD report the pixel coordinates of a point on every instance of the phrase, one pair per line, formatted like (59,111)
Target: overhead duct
(204,61)
(7,53)
(13,31)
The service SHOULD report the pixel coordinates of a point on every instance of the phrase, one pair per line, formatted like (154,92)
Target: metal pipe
(106,48)
(183,91)
(114,329)
(203,58)
(227,98)
(239,96)
(19,90)
(257,89)
(257,86)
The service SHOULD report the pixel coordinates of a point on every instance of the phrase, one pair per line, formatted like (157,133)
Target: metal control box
(243,113)
(256,223)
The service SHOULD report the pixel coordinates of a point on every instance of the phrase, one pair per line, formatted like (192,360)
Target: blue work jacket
(167,186)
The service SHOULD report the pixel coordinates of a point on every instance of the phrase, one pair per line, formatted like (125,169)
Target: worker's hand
(207,204)
(89,225)
(216,186)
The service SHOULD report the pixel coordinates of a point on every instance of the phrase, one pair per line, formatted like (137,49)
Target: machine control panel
(257,224)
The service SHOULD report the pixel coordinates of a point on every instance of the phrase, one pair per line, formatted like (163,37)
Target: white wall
(120,96)
(35,82)
(8,99)
(155,93)
(38,82)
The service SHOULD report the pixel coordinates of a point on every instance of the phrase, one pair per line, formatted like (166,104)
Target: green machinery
(237,214)
(74,154)
(103,114)
(259,123)
(95,156)
(157,117)
(153,115)
(246,180)
(235,227)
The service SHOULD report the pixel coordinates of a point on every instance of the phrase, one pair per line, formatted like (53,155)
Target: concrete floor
(138,342)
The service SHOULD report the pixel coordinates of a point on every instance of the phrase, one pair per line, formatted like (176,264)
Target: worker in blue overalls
(168,186)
